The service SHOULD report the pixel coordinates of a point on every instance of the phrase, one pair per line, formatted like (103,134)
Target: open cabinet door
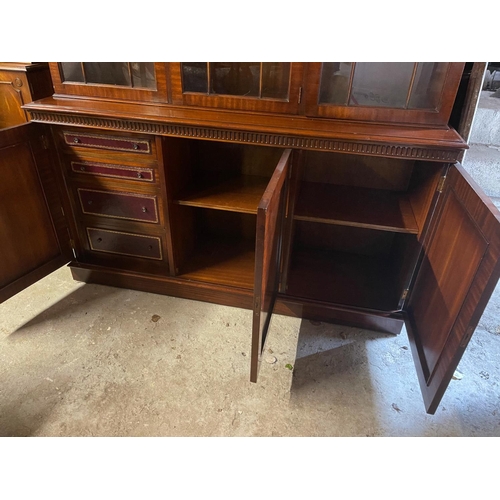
(270,215)
(458,273)
(34,240)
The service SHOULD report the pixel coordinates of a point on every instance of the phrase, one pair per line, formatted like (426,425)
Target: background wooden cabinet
(21,83)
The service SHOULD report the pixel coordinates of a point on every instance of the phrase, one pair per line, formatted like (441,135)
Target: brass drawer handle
(135,146)
(144,209)
(139,175)
(76,140)
(99,240)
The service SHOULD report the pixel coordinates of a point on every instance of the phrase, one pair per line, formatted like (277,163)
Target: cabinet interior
(215,189)
(356,226)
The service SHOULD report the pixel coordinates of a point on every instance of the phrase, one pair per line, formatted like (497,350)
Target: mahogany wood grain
(388,174)
(239,194)
(288,105)
(296,167)
(323,311)
(439,116)
(21,83)
(260,123)
(346,279)
(101,91)
(34,238)
(353,206)
(459,270)
(422,190)
(164,285)
(268,255)
(228,262)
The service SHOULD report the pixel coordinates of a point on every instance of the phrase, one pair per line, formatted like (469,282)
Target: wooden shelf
(353,206)
(343,278)
(241,194)
(223,261)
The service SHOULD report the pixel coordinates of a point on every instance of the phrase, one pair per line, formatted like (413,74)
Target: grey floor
(89,360)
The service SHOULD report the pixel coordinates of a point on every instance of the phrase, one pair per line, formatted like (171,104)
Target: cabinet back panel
(355,170)
(221,224)
(233,159)
(342,238)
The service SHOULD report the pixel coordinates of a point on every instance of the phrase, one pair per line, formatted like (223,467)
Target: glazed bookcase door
(268,254)
(139,81)
(268,87)
(34,237)
(459,270)
(398,92)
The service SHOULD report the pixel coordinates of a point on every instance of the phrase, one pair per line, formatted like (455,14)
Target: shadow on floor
(332,367)
(77,302)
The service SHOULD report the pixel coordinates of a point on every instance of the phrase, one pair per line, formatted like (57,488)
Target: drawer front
(129,244)
(119,205)
(96,169)
(109,142)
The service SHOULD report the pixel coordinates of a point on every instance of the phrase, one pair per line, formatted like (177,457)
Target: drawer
(121,243)
(136,145)
(129,206)
(116,171)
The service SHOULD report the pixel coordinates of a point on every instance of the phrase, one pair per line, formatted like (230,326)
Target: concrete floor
(89,360)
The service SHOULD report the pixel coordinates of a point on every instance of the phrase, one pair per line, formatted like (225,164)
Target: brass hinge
(405,294)
(441,184)
(45,142)
(300,95)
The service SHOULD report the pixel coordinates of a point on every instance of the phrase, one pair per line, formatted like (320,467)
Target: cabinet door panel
(266,87)
(31,220)
(459,270)
(139,81)
(402,92)
(270,215)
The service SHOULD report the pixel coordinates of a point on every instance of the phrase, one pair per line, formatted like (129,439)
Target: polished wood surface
(288,104)
(112,92)
(30,228)
(439,116)
(228,262)
(339,226)
(344,278)
(353,206)
(268,256)
(459,270)
(372,139)
(21,83)
(240,194)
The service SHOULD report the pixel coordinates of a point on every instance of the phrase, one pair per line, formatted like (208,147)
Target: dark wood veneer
(250,203)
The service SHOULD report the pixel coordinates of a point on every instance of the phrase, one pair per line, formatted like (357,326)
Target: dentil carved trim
(374,149)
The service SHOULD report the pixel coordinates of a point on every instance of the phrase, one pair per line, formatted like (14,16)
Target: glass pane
(275,80)
(381,84)
(72,72)
(428,85)
(143,75)
(239,78)
(334,86)
(195,77)
(109,73)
